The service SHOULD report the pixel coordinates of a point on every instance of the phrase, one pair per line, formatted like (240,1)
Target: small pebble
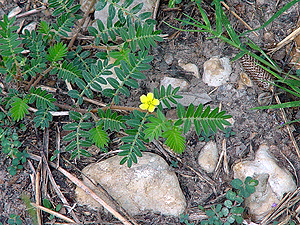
(168,57)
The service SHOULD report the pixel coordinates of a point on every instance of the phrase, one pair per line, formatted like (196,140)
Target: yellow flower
(148,102)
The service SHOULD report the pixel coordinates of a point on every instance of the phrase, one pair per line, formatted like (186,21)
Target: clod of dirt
(147,186)
(216,71)
(278,178)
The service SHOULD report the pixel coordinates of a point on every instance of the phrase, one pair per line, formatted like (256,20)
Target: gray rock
(148,185)
(195,98)
(274,181)
(216,71)
(208,157)
(175,82)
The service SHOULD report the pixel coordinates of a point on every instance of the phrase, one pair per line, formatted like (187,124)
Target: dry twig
(38,193)
(53,213)
(288,127)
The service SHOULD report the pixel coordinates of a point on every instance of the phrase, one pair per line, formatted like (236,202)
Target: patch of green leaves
(231,210)
(166,96)
(57,52)
(203,119)
(184,218)
(47,204)
(10,145)
(14,219)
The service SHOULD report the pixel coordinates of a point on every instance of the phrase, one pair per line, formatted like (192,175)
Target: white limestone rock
(190,67)
(216,71)
(148,185)
(208,157)
(274,181)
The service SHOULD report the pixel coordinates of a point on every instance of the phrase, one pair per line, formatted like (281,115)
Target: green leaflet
(57,52)
(99,136)
(174,140)
(19,108)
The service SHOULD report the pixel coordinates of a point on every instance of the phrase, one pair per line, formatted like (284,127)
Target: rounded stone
(208,157)
(274,181)
(149,185)
(216,71)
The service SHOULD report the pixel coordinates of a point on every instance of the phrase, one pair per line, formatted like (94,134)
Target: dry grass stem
(286,40)
(294,170)
(239,18)
(59,193)
(54,90)
(38,193)
(287,202)
(60,113)
(288,127)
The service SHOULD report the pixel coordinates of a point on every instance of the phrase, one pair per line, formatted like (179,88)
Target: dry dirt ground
(251,127)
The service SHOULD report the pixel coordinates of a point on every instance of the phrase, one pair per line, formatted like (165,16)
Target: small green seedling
(231,210)
(49,205)
(184,218)
(228,132)
(174,164)
(206,137)
(14,219)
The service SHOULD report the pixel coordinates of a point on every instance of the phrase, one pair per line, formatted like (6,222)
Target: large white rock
(208,157)
(148,185)
(216,71)
(274,181)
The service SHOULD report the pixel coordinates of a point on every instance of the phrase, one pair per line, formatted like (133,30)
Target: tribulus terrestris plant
(120,48)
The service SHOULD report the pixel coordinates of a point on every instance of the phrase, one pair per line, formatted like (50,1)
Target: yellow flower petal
(155,102)
(151,108)
(143,98)
(150,96)
(144,106)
